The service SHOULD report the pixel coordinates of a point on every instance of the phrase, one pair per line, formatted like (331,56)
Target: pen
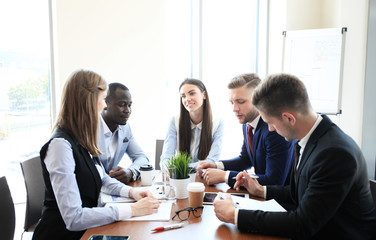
(172,226)
(252,176)
(251,172)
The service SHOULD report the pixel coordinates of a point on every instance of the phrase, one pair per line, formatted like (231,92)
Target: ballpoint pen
(251,172)
(172,226)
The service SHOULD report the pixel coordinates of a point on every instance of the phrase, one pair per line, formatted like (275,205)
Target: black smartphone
(108,237)
(210,196)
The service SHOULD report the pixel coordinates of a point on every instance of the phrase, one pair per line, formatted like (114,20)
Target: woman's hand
(145,206)
(138,194)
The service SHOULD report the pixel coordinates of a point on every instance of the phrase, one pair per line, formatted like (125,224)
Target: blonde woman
(73,175)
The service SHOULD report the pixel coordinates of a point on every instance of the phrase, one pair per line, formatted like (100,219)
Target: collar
(106,130)
(199,126)
(304,140)
(254,123)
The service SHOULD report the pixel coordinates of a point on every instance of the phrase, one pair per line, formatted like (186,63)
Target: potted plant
(178,170)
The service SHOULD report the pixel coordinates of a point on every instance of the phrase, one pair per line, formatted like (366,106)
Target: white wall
(311,14)
(122,40)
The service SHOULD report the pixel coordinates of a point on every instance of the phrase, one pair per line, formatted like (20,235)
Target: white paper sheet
(163,214)
(156,190)
(251,204)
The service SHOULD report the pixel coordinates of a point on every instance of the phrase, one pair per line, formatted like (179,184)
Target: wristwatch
(135,175)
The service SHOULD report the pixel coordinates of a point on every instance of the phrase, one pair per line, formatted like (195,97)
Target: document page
(163,214)
(251,204)
(155,190)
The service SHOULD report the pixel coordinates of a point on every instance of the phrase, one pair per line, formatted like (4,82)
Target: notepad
(251,204)
(163,214)
(155,190)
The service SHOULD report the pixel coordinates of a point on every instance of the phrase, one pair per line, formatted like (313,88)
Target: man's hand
(203,165)
(123,175)
(137,194)
(214,176)
(224,209)
(145,206)
(251,184)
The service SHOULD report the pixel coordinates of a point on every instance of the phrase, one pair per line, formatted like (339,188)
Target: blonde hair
(251,80)
(79,108)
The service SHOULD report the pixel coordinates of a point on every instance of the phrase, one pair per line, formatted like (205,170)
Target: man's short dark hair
(279,93)
(112,87)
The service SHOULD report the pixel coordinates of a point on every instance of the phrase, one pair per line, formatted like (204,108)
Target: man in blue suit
(116,138)
(267,152)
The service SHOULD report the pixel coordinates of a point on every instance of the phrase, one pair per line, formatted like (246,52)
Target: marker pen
(172,226)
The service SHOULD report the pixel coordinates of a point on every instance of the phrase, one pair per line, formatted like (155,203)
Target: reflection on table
(206,227)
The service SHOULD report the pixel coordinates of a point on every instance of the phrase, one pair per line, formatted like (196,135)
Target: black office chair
(372,185)
(158,152)
(7,212)
(32,172)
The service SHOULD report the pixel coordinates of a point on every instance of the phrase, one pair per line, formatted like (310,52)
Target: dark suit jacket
(332,193)
(272,156)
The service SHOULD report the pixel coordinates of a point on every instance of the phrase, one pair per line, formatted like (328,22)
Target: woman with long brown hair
(194,131)
(73,175)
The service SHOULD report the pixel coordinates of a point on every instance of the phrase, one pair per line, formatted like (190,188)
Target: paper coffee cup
(147,172)
(195,194)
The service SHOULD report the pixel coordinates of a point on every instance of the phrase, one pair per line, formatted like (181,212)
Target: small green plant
(180,162)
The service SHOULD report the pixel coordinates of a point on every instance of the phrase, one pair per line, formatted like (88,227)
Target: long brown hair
(185,132)
(79,108)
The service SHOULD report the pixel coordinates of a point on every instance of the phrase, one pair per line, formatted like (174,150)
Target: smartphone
(108,237)
(210,196)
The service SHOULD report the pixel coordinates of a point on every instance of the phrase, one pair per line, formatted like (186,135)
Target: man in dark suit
(267,152)
(329,182)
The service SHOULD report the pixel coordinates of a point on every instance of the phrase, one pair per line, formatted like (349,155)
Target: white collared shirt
(303,142)
(110,139)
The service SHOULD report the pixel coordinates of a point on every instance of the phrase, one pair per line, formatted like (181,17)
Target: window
(25,109)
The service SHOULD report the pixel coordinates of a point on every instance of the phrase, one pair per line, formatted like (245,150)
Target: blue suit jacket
(272,156)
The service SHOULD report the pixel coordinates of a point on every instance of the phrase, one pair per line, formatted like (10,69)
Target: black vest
(51,225)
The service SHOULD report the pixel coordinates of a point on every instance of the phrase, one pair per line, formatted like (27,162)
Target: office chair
(32,172)
(372,185)
(158,152)
(7,212)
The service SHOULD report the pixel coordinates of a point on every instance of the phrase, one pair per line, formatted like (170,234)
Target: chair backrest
(7,212)
(372,185)
(32,172)
(158,152)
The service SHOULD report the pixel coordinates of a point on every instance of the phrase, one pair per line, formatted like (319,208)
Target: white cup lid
(196,187)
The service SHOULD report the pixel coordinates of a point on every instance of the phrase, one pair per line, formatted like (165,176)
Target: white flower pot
(181,187)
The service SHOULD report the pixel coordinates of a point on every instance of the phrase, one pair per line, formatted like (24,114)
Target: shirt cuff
(220,165)
(124,211)
(226,176)
(236,216)
(264,192)
(124,191)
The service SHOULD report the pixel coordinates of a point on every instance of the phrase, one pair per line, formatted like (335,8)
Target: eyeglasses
(183,214)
